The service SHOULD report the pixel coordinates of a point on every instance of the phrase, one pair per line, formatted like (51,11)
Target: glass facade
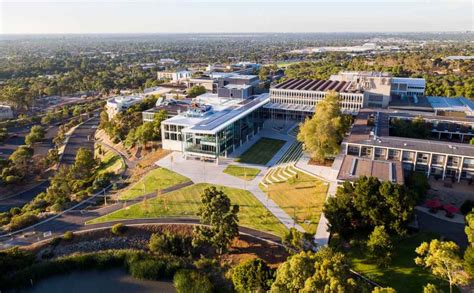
(226,140)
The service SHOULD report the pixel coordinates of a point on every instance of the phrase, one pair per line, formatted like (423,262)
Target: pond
(115,280)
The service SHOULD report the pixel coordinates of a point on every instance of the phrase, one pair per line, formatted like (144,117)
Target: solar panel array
(313,85)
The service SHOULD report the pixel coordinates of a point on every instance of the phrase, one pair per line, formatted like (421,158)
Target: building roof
(353,167)
(222,119)
(378,136)
(224,112)
(314,85)
(237,86)
(459,104)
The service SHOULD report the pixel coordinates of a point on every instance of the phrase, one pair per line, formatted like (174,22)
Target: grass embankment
(262,151)
(153,181)
(109,161)
(186,201)
(244,173)
(403,274)
(302,198)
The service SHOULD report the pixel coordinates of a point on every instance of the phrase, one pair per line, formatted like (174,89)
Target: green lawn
(186,201)
(242,172)
(403,274)
(262,151)
(302,199)
(155,180)
(109,162)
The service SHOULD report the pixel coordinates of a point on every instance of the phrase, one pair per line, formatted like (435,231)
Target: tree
(418,183)
(323,271)
(196,91)
(220,217)
(380,245)
(298,241)
(36,134)
(367,203)
(469,253)
(323,133)
(21,160)
(84,164)
(157,119)
(252,276)
(443,260)
(430,288)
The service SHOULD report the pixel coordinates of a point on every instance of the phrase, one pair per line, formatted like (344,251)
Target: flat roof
(222,119)
(237,86)
(314,85)
(353,167)
(224,112)
(451,104)
(378,136)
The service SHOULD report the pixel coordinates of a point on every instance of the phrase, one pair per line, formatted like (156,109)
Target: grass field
(186,201)
(302,199)
(403,274)
(109,161)
(262,151)
(242,172)
(154,180)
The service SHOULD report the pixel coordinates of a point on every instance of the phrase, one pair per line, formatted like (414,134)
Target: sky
(194,16)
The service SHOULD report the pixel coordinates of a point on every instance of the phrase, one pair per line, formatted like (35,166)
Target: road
(451,231)
(83,136)
(75,220)
(17,139)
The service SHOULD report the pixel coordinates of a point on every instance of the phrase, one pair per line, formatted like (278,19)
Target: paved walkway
(328,174)
(203,172)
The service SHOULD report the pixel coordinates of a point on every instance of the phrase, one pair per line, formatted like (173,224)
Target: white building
(213,126)
(5,112)
(295,99)
(118,104)
(406,86)
(376,85)
(174,76)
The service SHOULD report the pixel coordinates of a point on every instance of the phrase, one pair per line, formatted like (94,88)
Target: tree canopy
(220,218)
(323,271)
(367,203)
(323,133)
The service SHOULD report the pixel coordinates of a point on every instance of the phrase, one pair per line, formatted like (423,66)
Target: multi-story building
(118,104)
(372,140)
(376,85)
(405,86)
(174,76)
(296,99)
(214,126)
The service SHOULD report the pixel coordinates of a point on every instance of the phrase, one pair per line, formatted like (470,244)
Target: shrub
(171,243)
(147,269)
(252,276)
(118,229)
(15,211)
(191,281)
(21,221)
(155,269)
(68,236)
(14,259)
(467,207)
(380,246)
(55,241)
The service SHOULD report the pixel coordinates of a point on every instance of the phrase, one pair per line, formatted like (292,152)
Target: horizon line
(244,32)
